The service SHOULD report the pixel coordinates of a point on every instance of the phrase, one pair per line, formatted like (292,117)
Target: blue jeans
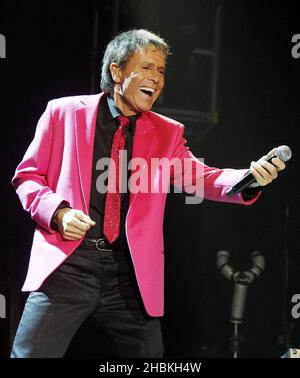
(90,285)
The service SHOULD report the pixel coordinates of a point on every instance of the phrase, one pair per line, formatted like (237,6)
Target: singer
(99,256)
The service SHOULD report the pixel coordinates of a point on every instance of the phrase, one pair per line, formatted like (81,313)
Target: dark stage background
(233,82)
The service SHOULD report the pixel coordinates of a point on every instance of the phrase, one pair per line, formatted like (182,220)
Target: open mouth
(147,91)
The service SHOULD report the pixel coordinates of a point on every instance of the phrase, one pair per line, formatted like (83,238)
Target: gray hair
(121,48)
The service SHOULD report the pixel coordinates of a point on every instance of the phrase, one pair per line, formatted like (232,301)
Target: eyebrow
(152,64)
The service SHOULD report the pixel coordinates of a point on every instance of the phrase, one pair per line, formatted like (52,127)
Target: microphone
(241,280)
(284,153)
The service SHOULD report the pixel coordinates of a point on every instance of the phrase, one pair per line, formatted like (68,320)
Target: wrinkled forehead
(147,53)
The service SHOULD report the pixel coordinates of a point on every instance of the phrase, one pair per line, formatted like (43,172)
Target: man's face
(140,81)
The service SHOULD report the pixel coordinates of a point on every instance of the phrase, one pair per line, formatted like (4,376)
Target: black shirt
(106,125)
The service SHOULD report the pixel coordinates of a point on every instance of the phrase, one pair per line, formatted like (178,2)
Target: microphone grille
(284,153)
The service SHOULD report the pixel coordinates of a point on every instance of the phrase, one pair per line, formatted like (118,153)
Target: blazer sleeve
(195,177)
(30,179)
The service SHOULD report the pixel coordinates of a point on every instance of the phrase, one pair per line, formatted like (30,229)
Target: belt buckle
(100,242)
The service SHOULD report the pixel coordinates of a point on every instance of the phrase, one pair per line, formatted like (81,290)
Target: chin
(142,109)
(146,107)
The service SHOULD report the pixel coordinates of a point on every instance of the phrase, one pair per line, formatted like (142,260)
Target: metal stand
(241,282)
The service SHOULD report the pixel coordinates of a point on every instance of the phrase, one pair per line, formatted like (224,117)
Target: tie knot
(123,121)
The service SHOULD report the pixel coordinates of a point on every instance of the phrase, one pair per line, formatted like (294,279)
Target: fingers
(261,175)
(73,229)
(270,153)
(70,236)
(265,172)
(279,164)
(75,224)
(84,218)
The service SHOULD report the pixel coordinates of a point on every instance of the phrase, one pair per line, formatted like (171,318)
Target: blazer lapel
(143,139)
(85,123)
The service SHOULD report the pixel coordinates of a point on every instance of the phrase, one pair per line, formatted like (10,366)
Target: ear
(115,72)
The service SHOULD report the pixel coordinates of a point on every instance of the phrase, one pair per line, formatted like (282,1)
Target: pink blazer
(57,167)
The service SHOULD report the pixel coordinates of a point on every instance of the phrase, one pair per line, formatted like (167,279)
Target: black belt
(100,244)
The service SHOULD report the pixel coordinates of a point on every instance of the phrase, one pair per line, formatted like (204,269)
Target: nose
(154,76)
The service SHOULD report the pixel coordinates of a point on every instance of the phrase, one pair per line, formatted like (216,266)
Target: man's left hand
(265,172)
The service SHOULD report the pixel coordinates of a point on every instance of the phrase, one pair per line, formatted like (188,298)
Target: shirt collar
(116,112)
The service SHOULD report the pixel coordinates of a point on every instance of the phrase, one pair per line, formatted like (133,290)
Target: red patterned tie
(111,225)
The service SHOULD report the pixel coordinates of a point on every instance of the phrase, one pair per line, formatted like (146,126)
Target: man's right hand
(73,224)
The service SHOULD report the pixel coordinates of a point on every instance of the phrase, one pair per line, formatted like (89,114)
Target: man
(97,254)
